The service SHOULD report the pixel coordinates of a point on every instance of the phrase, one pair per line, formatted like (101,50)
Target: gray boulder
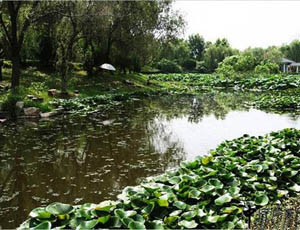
(32,112)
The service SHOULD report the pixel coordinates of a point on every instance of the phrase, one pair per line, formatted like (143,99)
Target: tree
(274,55)
(216,53)
(197,46)
(292,51)
(15,18)
(67,35)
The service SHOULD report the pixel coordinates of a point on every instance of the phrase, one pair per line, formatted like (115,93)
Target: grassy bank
(88,93)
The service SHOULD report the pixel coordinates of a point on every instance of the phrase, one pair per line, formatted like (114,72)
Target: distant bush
(267,68)
(168,66)
(189,64)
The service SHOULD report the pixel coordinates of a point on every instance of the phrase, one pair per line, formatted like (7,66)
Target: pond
(92,158)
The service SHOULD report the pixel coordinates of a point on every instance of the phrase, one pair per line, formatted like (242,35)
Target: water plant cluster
(269,82)
(86,104)
(219,190)
(279,102)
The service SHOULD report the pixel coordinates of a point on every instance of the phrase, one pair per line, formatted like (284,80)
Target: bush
(267,68)
(168,66)
(9,105)
(42,106)
(189,64)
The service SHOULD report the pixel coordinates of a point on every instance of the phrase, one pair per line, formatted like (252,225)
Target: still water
(92,158)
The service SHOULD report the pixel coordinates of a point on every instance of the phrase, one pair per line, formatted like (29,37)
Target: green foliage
(9,105)
(197,46)
(255,82)
(215,54)
(292,51)
(257,171)
(278,102)
(189,64)
(42,106)
(267,68)
(168,66)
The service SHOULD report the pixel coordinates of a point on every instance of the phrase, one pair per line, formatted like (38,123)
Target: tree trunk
(15,77)
(1,79)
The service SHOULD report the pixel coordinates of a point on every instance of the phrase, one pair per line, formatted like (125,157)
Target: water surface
(90,159)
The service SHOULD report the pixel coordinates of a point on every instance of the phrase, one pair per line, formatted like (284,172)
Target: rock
(19,107)
(30,96)
(108,122)
(38,99)
(49,114)
(3,120)
(32,112)
(59,110)
(52,92)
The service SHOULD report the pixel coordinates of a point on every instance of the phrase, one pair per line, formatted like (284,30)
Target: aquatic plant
(269,82)
(219,190)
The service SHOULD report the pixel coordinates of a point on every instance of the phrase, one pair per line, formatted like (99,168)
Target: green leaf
(163,203)
(189,215)
(176,213)
(136,225)
(234,190)
(207,188)
(232,209)
(149,208)
(88,224)
(261,200)
(212,219)
(120,213)
(156,224)
(194,193)
(43,225)
(295,188)
(223,199)
(281,193)
(188,224)
(206,160)
(106,206)
(40,213)
(179,204)
(103,219)
(217,183)
(59,208)
(115,222)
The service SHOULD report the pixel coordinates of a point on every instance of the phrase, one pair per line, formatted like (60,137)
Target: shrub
(9,105)
(189,64)
(267,68)
(168,66)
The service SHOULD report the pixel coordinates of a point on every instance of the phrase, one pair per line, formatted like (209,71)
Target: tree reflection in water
(84,159)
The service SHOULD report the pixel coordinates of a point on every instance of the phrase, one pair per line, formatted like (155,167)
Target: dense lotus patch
(271,82)
(220,190)
(278,102)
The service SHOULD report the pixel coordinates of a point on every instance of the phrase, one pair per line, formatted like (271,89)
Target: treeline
(197,55)
(53,34)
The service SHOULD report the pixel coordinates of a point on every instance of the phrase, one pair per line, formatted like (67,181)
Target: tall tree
(15,18)
(68,33)
(197,46)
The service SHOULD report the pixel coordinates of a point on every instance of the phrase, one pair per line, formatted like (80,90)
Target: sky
(244,23)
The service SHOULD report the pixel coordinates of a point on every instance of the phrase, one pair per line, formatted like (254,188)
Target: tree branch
(26,24)
(5,29)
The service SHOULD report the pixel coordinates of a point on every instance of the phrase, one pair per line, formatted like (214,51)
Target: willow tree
(15,18)
(68,33)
